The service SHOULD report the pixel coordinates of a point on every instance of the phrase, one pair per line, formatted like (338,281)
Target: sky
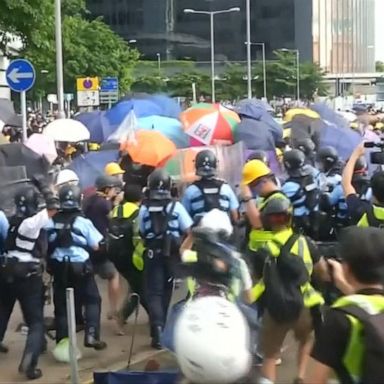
(379,30)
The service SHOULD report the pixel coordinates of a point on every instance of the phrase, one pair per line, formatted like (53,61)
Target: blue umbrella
(169,127)
(169,107)
(141,107)
(94,123)
(91,165)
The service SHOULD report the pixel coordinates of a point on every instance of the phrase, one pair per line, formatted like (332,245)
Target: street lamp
(212,15)
(249,59)
(59,60)
(297,68)
(132,41)
(158,62)
(262,45)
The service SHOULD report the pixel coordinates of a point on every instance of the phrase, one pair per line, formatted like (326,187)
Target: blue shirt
(290,189)
(90,237)
(179,223)
(4,226)
(193,192)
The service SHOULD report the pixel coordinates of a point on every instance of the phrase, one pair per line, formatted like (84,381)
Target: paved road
(115,357)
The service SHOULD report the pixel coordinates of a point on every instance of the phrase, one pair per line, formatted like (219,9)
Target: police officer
(307,146)
(330,167)
(21,272)
(162,222)
(70,238)
(209,192)
(302,189)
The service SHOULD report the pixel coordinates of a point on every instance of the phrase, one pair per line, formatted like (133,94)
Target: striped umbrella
(209,124)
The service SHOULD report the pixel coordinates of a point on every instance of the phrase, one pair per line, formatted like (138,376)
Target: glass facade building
(338,34)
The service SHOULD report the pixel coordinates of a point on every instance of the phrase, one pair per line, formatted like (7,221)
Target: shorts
(106,270)
(272,334)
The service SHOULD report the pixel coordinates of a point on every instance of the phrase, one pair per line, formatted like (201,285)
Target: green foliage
(90,47)
(379,66)
(180,84)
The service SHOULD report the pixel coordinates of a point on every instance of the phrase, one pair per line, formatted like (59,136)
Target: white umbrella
(43,146)
(349,116)
(67,130)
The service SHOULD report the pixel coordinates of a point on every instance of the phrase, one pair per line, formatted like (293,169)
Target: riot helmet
(206,163)
(327,158)
(159,185)
(105,181)
(294,162)
(259,155)
(27,201)
(70,198)
(307,146)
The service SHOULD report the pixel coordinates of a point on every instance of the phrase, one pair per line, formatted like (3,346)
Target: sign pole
(23,103)
(59,61)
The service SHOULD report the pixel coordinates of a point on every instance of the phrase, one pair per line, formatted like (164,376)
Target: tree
(180,84)
(148,84)
(90,47)
(379,66)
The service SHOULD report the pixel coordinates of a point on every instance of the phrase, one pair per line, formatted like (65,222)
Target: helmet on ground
(206,163)
(276,212)
(70,197)
(327,157)
(253,170)
(106,181)
(159,185)
(294,161)
(27,201)
(307,146)
(66,176)
(258,155)
(211,341)
(112,169)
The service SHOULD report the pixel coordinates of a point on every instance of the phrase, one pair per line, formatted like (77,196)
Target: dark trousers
(87,295)
(158,285)
(29,292)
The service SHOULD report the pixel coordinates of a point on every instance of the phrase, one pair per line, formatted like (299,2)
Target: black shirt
(332,341)
(356,207)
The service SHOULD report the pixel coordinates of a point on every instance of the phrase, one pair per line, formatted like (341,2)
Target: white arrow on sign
(15,76)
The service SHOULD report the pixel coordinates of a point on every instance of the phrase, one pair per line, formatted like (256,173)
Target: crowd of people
(299,252)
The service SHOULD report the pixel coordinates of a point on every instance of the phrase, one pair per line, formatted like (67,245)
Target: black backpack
(283,277)
(210,193)
(309,189)
(121,232)
(373,339)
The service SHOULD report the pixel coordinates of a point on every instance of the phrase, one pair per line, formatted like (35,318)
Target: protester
(350,342)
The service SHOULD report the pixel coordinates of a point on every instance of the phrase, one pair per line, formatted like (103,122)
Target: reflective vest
(130,209)
(310,296)
(373,218)
(258,237)
(353,356)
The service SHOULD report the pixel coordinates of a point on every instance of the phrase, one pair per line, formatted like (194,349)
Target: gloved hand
(52,202)
(42,184)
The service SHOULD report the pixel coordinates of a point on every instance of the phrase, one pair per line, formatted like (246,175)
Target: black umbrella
(6,110)
(14,121)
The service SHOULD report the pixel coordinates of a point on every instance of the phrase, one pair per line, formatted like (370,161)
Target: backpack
(373,340)
(210,190)
(121,232)
(283,277)
(309,189)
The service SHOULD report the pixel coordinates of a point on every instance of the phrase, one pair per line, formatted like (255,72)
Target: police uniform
(206,194)
(71,267)
(157,272)
(21,279)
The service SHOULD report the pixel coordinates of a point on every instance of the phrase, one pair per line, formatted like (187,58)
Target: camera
(376,157)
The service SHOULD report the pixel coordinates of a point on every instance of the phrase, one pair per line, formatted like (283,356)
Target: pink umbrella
(43,146)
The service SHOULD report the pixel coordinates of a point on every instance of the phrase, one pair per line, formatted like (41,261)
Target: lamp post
(262,45)
(59,60)
(248,42)
(158,62)
(212,15)
(297,69)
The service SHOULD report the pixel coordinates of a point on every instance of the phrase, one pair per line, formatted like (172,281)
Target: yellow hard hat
(355,125)
(93,146)
(112,169)
(379,125)
(286,133)
(253,170)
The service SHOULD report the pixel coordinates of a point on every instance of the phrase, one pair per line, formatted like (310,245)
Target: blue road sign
(109,84)
(20,75)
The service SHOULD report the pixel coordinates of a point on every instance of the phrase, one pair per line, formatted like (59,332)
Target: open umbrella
(94,123)
(209,123)
(43,146)
(300,111)
(171,128)
(68,130)
(149,148)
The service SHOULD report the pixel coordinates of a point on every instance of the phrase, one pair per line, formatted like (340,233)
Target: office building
(338,34)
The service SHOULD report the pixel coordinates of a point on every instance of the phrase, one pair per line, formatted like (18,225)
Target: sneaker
(258,361)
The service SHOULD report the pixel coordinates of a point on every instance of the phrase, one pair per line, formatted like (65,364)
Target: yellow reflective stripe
(378,212)
(189,256)
(191,286)
(363,221)
(128,210)
(257,290)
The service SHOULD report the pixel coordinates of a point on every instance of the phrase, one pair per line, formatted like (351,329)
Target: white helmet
(66,176)
(217,220)
(212,342)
